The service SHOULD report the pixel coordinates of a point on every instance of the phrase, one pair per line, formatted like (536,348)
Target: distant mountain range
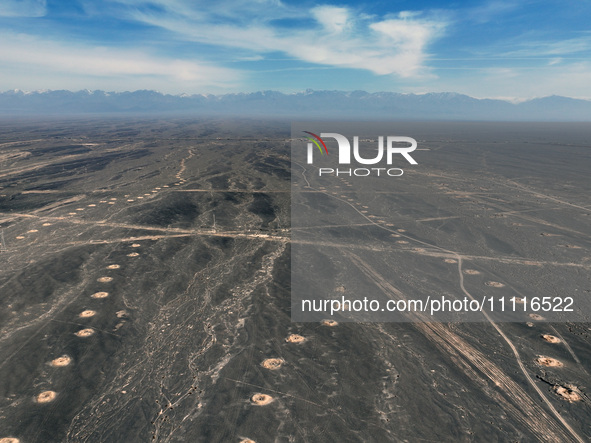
(302,105)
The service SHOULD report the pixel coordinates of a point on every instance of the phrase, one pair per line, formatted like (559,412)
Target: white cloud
(23,8)
(410,38)
(332,18)
(40,59)
(341,39)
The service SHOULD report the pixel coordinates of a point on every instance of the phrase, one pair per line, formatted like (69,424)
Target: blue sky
(502,49)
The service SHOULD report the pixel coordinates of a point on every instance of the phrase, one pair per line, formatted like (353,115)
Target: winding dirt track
(523,406)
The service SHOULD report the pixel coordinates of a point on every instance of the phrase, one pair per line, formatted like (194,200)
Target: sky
(508,49)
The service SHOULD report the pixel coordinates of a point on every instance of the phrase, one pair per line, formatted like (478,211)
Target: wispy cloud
(33,57)
(327,35)
(526,46)
(571,80)
(23,8)
(491,10)
(484,48)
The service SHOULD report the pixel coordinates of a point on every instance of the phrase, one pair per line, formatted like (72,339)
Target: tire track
(470,355)
(467,357)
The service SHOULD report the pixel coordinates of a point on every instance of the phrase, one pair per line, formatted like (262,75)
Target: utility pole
(214,230)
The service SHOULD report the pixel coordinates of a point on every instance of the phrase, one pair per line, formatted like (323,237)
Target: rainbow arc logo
(316,142)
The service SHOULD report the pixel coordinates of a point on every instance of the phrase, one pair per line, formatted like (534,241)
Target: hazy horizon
(302,91)
(301,105)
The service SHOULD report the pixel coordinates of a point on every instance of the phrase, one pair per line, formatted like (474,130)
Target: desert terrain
(146,279)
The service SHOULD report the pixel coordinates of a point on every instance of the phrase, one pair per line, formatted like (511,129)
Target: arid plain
(145,287)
